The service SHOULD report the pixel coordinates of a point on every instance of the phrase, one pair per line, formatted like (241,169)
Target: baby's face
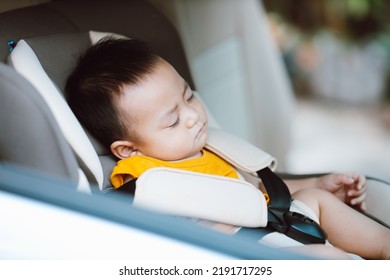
(169,121)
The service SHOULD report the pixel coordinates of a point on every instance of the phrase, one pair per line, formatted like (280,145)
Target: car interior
(46,156)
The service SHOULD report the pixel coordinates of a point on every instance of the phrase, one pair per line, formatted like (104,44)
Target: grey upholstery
(58,53)
(135,19)
(29,135)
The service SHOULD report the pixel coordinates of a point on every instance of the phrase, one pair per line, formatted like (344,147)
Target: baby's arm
(348,187)
(346,228)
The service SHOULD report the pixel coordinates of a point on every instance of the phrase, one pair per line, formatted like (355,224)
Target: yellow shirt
(134,166)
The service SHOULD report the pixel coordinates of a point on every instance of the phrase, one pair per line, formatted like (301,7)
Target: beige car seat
(31,54)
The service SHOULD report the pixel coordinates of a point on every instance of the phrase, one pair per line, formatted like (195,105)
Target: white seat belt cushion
(203,196)
(238,152)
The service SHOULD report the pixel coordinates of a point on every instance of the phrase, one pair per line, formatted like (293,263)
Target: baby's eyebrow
(185,88)
(174,109)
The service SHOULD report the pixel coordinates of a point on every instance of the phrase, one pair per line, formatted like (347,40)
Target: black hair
(95,85)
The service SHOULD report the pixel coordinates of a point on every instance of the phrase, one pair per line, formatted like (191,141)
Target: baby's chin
(189,156)
(195,155)
(202,140)
(196,149)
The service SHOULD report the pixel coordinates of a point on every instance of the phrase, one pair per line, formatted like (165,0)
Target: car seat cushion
(30,137)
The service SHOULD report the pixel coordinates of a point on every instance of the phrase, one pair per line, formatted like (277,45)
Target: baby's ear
(123,149)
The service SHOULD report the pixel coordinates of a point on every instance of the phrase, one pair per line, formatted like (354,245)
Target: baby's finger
(358,200)
(344,179)
(356,191)
(360,207)
(360,180)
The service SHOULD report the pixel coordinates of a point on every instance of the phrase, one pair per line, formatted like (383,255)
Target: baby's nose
(192,117)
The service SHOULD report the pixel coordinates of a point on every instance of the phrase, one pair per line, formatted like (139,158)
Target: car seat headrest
(64,49)
(46,61)
(25,61)
(57,53)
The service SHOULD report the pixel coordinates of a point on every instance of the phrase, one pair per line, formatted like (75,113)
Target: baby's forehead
(161,81)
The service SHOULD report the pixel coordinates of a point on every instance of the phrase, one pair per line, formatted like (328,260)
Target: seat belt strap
(276,188)
(128,187)
(281,219)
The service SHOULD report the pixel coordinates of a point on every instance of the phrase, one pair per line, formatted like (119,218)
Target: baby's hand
(349,187)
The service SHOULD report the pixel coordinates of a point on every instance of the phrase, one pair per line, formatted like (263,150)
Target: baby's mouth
(201,130)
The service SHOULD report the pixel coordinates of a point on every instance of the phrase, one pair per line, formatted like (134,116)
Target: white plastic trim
(83,184)
(378,197)
(95,36)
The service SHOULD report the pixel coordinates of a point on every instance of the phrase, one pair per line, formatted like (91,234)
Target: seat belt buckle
(297,226)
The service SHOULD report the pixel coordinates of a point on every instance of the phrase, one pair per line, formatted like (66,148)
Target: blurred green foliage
(356,22)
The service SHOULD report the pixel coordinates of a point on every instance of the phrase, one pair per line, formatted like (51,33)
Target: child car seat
(219,197)
(95,177)
(23,58)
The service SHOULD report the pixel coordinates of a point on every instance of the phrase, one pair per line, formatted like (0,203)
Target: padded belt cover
(239,153)
(203,196)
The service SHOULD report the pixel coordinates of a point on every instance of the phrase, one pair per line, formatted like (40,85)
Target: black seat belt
(281,219)
(128,188)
